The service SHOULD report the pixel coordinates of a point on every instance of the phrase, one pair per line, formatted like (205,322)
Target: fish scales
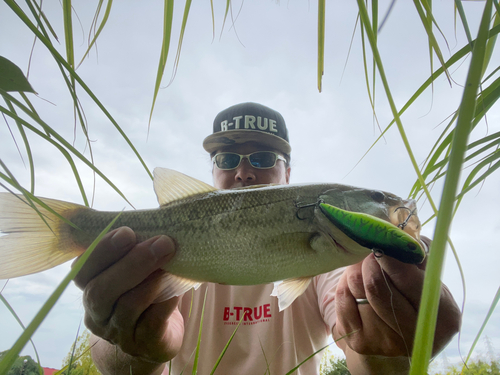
(252,235)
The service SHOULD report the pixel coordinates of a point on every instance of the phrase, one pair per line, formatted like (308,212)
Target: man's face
(245,174)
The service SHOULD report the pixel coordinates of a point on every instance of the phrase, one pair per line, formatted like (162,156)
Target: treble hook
(405,223)
(305,206)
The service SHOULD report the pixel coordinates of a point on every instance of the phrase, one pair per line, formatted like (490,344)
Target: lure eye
(377,196)
(412,246)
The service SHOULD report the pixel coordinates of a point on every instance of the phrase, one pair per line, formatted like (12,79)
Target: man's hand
(121,281)
(385,327)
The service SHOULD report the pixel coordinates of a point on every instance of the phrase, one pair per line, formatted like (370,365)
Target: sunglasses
(260,160)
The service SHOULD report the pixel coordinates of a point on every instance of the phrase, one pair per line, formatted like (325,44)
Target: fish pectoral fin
(173,286)
(171,185)
(322,243)
(288,290)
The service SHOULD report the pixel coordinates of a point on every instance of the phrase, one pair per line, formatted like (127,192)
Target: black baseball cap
(247,122)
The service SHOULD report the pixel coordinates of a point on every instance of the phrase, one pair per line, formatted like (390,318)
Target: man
(121,281)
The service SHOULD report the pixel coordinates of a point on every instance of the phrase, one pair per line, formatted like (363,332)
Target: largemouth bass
(243,236)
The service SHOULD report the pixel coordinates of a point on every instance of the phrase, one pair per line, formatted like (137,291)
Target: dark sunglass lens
(263,159)
(227,161)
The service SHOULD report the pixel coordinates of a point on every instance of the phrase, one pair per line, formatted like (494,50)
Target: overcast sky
(268,56)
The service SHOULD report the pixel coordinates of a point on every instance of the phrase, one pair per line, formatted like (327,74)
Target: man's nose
(245,171)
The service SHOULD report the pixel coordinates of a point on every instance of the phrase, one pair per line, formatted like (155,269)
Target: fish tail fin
(33,240)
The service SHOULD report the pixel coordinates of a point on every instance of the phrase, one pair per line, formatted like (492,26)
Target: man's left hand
(385,327)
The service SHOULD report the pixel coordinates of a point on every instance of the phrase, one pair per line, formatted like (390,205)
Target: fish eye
(377,196)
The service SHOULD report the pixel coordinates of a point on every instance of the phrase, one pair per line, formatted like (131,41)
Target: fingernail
(162,247)
(122,238)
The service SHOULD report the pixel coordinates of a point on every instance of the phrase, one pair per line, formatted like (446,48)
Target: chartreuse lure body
(376,234)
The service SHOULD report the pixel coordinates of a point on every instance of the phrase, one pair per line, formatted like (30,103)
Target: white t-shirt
(267,341)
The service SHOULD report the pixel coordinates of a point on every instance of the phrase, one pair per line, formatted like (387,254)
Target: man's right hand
(120,282)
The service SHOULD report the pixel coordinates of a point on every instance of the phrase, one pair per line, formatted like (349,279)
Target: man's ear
(288,171)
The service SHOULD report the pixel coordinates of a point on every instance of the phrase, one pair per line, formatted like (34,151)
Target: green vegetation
(79,361)
(332,365)
(24,365)
(478,367)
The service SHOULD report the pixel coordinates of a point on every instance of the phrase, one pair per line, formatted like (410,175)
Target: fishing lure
(374,233)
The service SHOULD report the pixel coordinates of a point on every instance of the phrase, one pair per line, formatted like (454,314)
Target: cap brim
(219,140)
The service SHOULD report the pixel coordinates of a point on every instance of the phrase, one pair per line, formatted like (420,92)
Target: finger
(354,278)
(131,305)
(110,249)
(136,322)
(348,318)
(102,292)
(168,333)
(408,279)
(387,300)
(162,323)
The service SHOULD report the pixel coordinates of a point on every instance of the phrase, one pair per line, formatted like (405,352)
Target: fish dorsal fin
(171,185)
(288,290)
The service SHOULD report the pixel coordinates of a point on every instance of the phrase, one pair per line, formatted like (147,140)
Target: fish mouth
(405,216)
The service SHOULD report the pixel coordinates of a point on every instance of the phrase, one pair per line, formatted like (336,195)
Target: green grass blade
(197,353)
(307,359)
(70,53)
(228,4)
(63,151)
(365,20)
(187,7)
(12,311)
(41,16)
(13,353)
(441,149)
(168,11)
(450,62)
(60,139)
(430,34)
(72,356)
(99,30)
(443,163)
(26,145)
(227,346)
(30,198)
(20,14)
(460,9)
(494,304)
(375,30)
(369,89)
(469,184)
(213,19)
(490,45)
(68,32)
(316,352)
(321,41)
(424,337)
(70,81)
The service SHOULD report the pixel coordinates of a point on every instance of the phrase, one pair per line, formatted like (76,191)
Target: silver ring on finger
(362,301)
